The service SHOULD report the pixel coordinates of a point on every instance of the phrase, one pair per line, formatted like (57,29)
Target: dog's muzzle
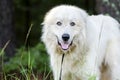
(65,43)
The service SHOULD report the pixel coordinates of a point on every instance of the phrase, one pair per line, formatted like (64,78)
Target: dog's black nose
(65,37)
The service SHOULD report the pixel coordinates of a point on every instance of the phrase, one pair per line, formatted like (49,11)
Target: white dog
(81,47)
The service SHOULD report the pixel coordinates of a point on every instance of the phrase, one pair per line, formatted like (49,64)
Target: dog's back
(104,35)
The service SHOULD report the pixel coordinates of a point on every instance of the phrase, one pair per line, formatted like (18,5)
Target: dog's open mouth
(65,45)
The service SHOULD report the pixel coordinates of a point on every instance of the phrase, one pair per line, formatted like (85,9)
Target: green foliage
(33,59)
(1,52)
(93,77)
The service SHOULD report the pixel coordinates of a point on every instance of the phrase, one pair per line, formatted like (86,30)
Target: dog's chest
(72,68)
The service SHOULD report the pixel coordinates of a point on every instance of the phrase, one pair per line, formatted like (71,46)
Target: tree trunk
(6,31)
(111,7)
(6,27)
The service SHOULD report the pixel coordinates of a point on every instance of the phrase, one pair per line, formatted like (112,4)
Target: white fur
(95,41)
(103,37)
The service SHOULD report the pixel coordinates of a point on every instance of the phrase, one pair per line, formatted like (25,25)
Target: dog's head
(63,26)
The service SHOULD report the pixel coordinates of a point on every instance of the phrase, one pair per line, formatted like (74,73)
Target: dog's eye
(59,23)
(72,23)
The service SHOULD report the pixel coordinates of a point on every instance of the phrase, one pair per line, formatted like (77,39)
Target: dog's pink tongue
(65,46)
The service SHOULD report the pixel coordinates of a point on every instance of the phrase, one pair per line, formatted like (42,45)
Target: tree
(111,7)
(6,30)
(6,27)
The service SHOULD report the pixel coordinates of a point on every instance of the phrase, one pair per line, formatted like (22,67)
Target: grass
(31,64)
(27,64)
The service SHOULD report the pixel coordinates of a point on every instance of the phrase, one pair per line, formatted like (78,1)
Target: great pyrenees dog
(81,47)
